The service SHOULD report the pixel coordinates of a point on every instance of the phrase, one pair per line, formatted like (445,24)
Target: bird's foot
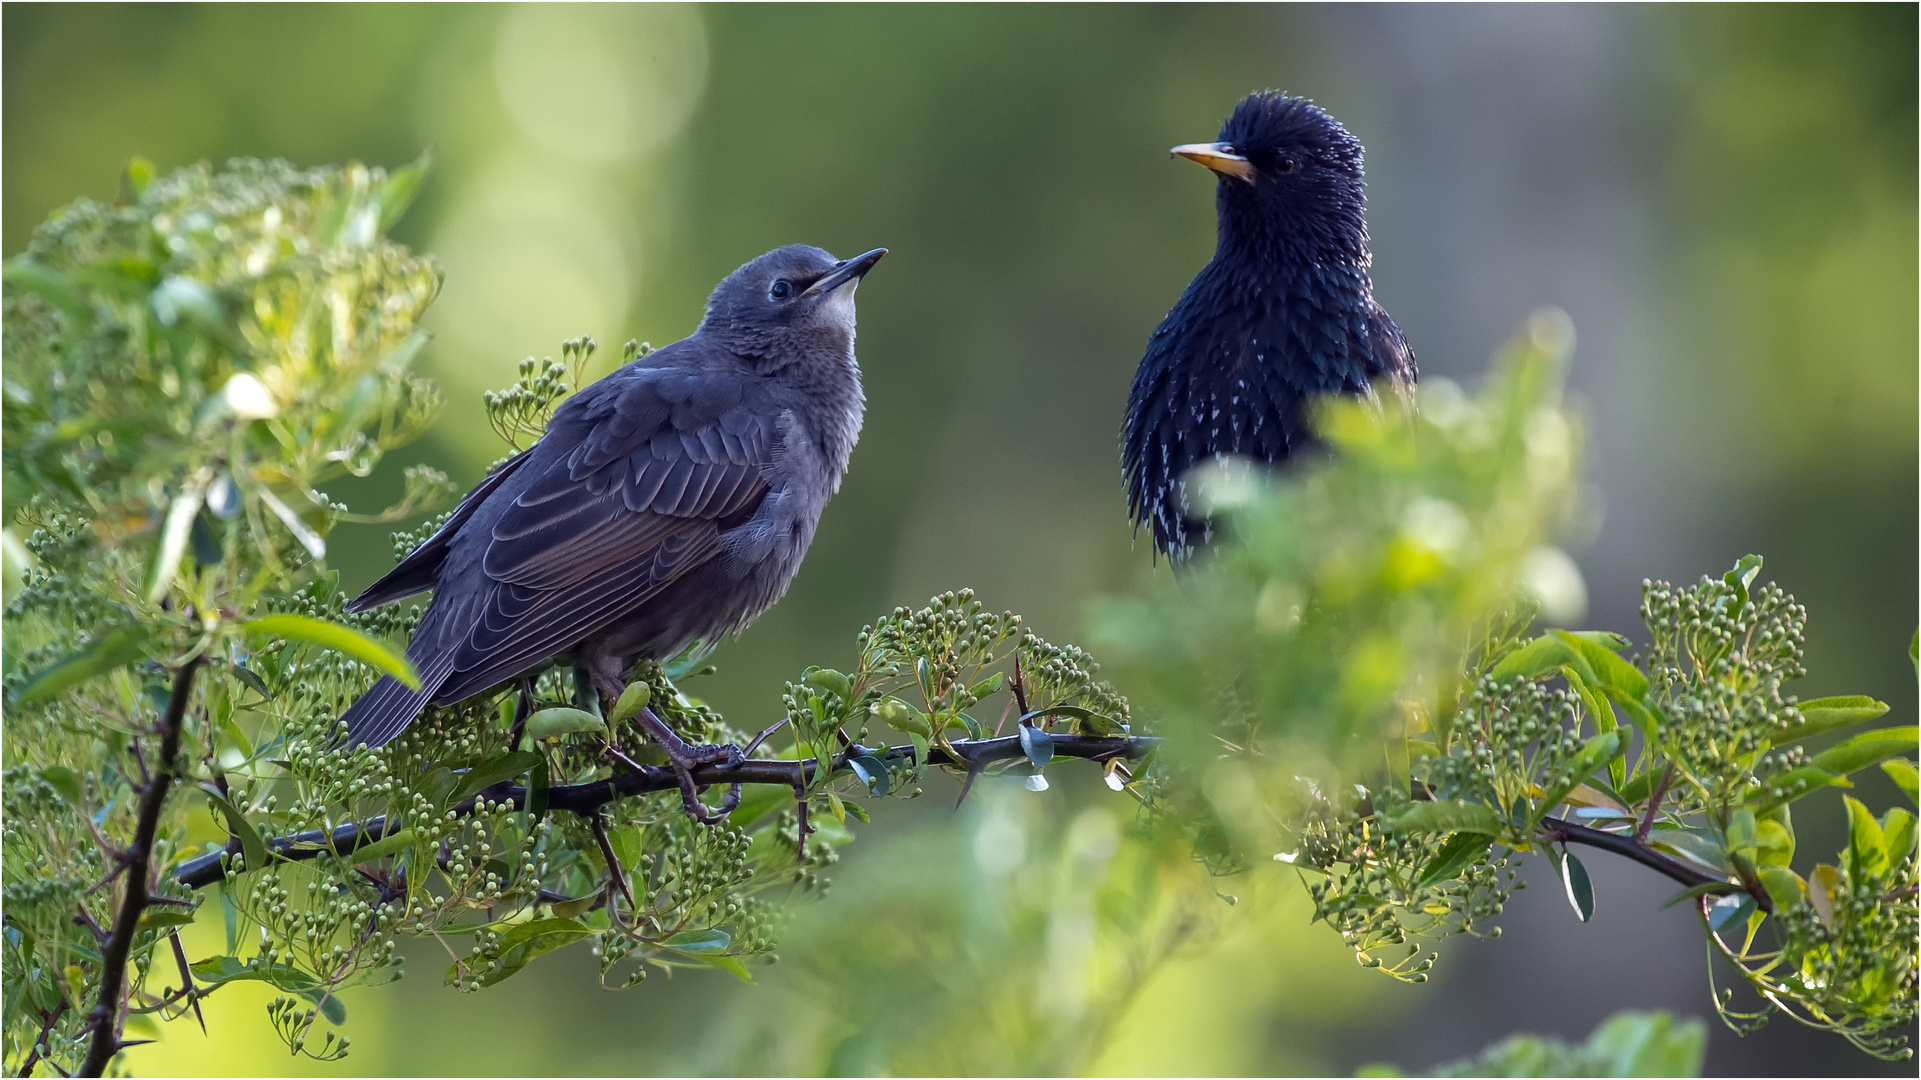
(685,757)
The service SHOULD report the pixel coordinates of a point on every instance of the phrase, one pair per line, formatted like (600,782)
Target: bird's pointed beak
(852,270)
(1219,157)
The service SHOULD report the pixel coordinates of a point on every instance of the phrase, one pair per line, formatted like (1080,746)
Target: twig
(618,874)
(46,1028)
(582,800)
(1567,832)
(85,918)
(113,962)
(762,736)
(186,978)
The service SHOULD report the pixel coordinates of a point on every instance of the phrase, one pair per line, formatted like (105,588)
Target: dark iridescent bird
(669,502)
(1285,312)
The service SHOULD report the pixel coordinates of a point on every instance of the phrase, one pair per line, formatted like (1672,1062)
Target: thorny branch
(585,800)
(105,1019)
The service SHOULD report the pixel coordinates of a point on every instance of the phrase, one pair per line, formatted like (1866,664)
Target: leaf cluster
(1352,681)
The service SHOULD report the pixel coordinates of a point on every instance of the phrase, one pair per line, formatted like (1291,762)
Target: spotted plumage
(1283,313)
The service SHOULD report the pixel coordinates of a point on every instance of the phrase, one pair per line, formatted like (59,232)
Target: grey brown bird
(669,502)
(1283,313)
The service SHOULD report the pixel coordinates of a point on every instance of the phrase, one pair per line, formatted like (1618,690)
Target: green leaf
(1867,848)
(253,682)
(385,846)
(1695,847)
(218,970)
(331,1007)
(987,687)
(1580,891)
(397,193)
(528,941)
(50,285)
(555,722)
(699,941)
(341,639)
(153,918)
(1542,656)
(1774,843)
(1461,851)
(1038,745)
(1643,716)
(1784,886)
(636,697)
(64,781)
(489,773)
(1604,721)
(117,648)
(252,848)
(1614,674)
(1827,714)
(830,680)
(1903,773)
(1607,639)
(1448,816)
(1897,833)
(1865,749)
(1743,574)
(568,909)
(1645,1044)
(1090,721)
(1743,839)
(1730,910)
(872,772)
(903,717)
(627,844)
(729,964)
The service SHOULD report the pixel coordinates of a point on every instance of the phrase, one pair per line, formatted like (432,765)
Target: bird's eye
(1288,163)
(782,289)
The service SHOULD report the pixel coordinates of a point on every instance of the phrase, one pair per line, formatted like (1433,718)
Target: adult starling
(669,502)
(1284,312)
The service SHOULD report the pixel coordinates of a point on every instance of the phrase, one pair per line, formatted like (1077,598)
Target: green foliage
(1626,1044)
(1350,682)
(184,371)
(1008,946)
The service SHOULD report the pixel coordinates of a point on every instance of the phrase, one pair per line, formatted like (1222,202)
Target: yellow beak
(1219,157)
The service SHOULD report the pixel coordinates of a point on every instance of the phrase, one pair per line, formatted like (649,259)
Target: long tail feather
(384,711)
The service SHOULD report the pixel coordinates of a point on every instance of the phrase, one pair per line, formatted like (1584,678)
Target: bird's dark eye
(782,289)
(1288,163)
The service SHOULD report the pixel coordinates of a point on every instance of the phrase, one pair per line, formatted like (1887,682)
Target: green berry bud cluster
(1716,663)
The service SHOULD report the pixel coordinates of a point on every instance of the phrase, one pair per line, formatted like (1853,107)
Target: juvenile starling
(1283,313)
(669,502)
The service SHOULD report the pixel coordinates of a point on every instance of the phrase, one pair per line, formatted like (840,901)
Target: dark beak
(1218,156)
(852,270)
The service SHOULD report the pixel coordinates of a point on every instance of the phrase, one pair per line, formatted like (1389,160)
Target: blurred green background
(1724,198)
